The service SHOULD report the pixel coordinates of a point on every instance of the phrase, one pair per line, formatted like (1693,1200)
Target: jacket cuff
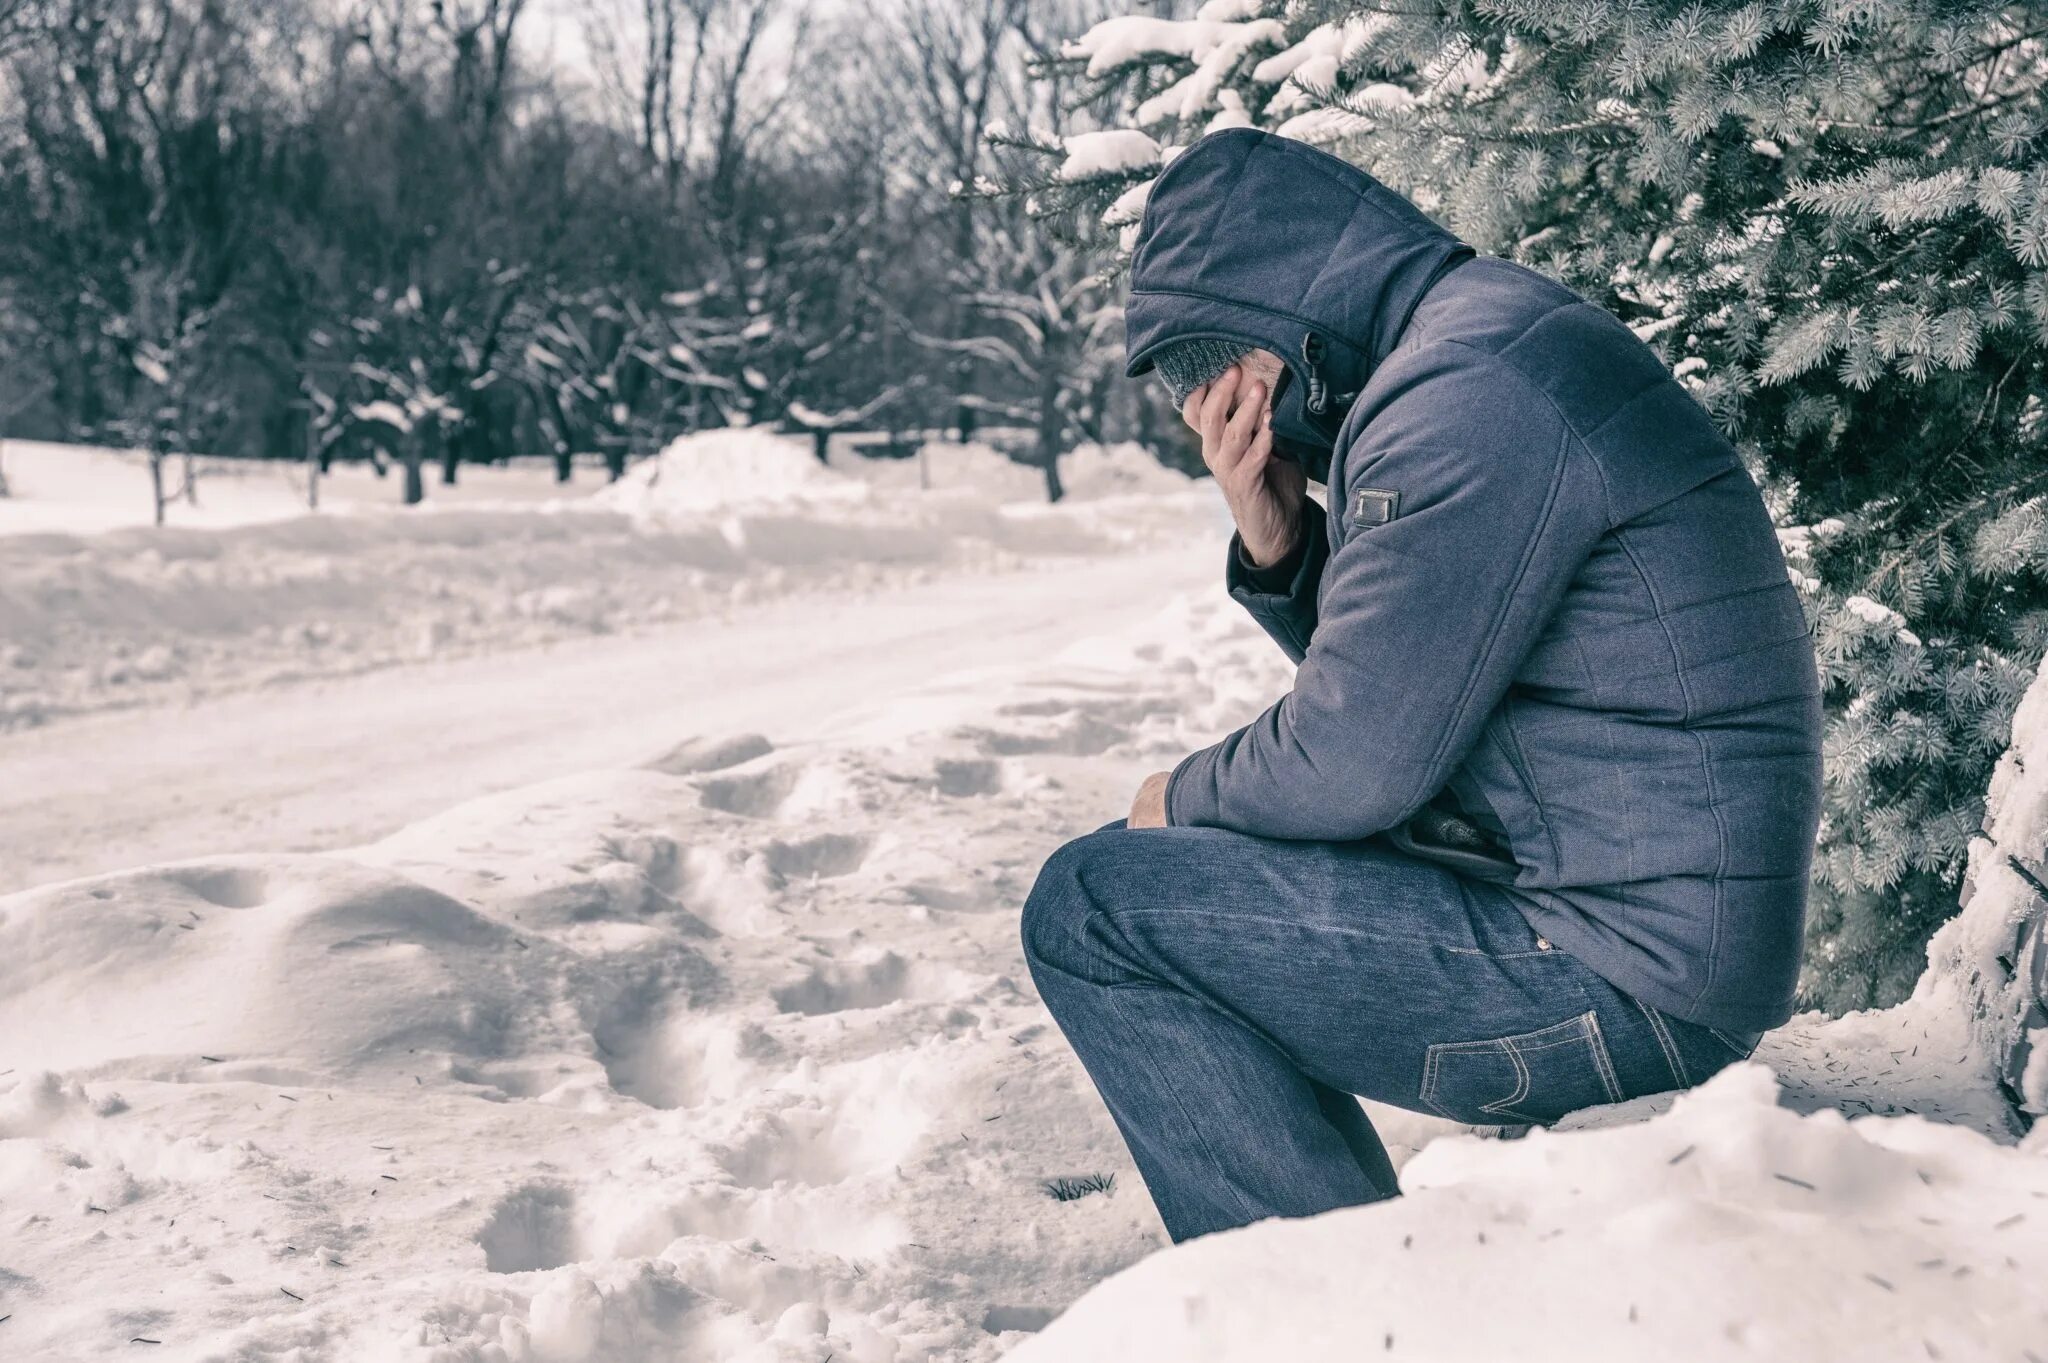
(1191,790)
(1291,578)
(1276,577)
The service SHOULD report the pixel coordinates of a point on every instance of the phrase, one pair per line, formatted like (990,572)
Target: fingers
(1249,417)
(1216,411)
(1225,455)
(1191,410)
(1257,453)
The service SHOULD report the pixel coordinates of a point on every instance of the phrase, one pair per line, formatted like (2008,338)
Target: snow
(732,1062)
(654,993)
(83,490)
(1989,964)
(387,412)
(389,746)
(1878,614)
(1730,1228)
(737,467)
(1116,151)
(1128,207)
(133,615)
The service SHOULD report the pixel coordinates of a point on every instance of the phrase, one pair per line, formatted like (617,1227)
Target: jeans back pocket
(1534,1077)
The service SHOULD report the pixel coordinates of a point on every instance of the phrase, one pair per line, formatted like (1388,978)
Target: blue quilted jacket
(1544,609)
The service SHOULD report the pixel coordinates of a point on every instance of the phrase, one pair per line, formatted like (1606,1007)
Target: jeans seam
(1422,943)
(1670,1048)
(1603,1061)
(1429,1071)
(1151,1058)
(1095,911)
(1729,1042)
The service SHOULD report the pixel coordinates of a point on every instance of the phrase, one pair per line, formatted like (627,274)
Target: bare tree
(955,64)
(699,83)
(1047,328)
(587,365)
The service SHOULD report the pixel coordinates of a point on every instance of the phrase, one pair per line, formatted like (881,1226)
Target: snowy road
(336,763)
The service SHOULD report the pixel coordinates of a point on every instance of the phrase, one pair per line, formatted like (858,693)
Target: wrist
(1271,555)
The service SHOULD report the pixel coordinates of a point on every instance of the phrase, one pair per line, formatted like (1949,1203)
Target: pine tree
(1830,217)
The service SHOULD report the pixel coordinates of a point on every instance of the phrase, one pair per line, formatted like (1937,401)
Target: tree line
(443,232)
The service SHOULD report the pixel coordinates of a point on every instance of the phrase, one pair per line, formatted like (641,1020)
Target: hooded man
(1531,831)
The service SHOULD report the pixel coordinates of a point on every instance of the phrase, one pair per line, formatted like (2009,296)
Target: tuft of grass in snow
(1070,1189)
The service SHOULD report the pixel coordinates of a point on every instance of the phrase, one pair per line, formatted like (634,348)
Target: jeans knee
(1058,904)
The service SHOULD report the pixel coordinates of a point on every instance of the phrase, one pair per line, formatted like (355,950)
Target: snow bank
(1095,471)
(83,490)
(138,615)
(730,469)
(1729,1228)
(1990,963)
(975,471)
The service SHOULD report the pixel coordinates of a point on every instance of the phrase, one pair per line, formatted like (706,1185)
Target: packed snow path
(334,763)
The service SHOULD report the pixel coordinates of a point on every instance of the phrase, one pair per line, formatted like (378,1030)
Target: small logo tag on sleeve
(1375,505)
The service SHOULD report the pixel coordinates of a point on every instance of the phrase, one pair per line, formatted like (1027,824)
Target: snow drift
(1729,1228)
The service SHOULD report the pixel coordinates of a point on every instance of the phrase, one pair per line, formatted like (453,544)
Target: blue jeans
(1229,993)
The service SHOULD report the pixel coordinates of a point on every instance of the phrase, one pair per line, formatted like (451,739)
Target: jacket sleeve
(1426,616)
(1282,596)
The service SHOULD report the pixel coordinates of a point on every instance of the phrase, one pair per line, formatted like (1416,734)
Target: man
(1531,831)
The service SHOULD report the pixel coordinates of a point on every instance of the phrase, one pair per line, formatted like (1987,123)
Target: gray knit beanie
(1184,366)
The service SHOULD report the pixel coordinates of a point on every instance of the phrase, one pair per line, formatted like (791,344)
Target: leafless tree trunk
(156,481)
(415,458)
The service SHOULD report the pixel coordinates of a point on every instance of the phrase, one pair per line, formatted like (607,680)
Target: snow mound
(733,468)
(1990,963)
(971,469)
(1093,472)
(977,471)
(1728,1228)
(316,959)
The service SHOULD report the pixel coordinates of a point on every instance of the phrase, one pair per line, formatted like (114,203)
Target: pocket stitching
(1506,1106)
(1585,1028)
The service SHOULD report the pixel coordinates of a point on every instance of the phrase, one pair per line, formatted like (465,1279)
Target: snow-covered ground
(82,489)
(93,617)
(712,1039)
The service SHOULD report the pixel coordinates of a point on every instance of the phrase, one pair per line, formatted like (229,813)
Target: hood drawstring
(1319,398)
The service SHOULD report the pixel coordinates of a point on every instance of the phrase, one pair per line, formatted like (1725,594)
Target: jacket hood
(1252,237)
